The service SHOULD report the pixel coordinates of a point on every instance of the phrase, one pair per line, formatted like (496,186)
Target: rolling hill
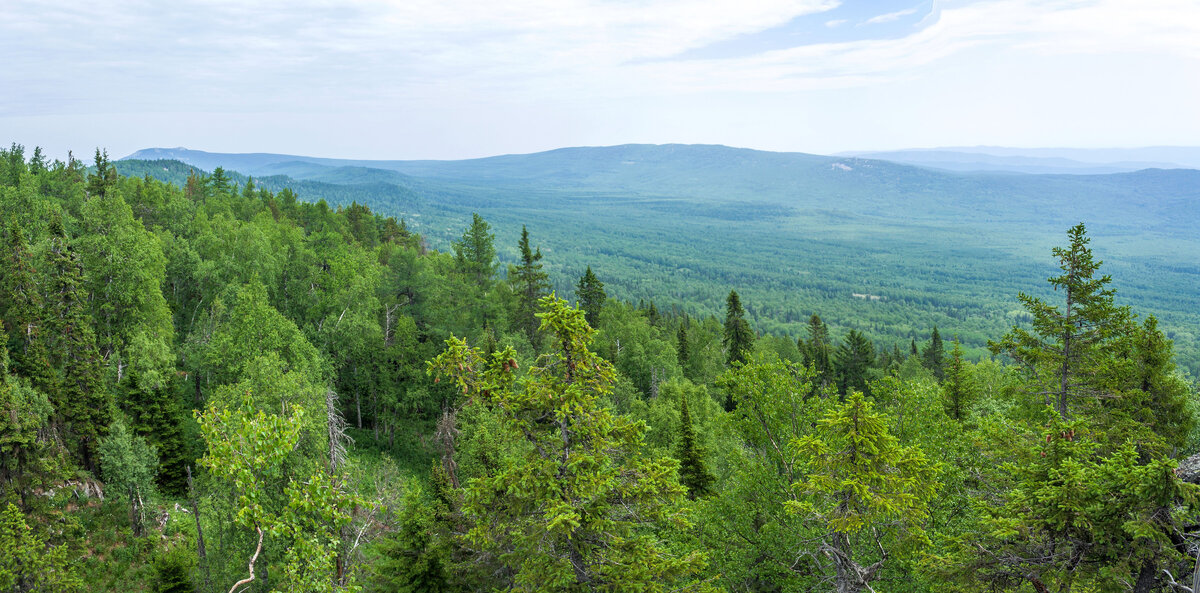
(794,233)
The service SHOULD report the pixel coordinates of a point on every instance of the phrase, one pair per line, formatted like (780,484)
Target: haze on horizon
(469,78)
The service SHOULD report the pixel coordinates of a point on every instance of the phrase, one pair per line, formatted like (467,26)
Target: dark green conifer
(530,284)
(681,345)
(171,573)
(693,473)
(82,403)
(590,295)
(853,358)
(958,386)
(475,252)
(933,356)
(816,351)
(739,339)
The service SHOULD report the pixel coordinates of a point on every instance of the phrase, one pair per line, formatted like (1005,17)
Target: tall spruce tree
(816,352)
(853,357)
(681,345)
(739,338)
(933,356)
(21,308)
(82,402)
(958,386)
(590,296)
(475,252)
(575,509)
(1069,346)
(693,473)
(530,284)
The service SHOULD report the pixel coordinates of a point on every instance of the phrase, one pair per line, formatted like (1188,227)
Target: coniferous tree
(21,309)
(934,354)
(652,316)
(82,402)
(958,385)
(681,345)
(1068,347)
(590,295)
(913,348)
(530,284)
(104,180)
(816,351)
(739,339)
(475,252)
(171,573)
(693,473)
(582,477)
(852,359)
(861,484)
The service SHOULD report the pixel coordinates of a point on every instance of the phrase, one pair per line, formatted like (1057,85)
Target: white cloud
(889,17)
(442,58)
(835,23)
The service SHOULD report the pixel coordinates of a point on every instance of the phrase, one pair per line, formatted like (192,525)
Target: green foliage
(693,472)
(128,464)
(565,513)
(475,253)
(590,296)
(861,482)
(28,563)
(529,284)
(172,572)
(739,338)
(1069,347)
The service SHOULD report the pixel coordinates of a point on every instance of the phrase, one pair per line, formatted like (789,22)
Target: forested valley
(213,386)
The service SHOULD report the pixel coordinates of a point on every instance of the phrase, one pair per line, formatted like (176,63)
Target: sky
(448,79)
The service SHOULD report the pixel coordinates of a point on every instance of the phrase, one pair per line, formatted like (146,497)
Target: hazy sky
(464,78)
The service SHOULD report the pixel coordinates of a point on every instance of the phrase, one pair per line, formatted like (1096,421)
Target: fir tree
(853,358)
(816,351)
(958,385)
(739,339)
(932,357)
(530,284)
(21,308)
(590,296)
(475,252)
(1068,347)
(681,345)
(82,402)
(171,573)
(861,486)
(571,510)
(104,180)
(693,473)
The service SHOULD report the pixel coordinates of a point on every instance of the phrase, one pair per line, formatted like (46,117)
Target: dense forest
(212,385)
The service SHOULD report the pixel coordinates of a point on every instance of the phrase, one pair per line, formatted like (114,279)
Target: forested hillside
(796,233)
(208,384)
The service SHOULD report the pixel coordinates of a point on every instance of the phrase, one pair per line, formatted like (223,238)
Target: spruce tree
(932,357)
(82,402)
(579,507)
(693,473)
(958,385)
(590,296)
(854,356)
(1069,346)
(739,339)
(475,252)
(21,308)
(681,345)
(530,284)
(816,351)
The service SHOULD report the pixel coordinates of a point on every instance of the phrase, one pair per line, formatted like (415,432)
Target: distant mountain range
(1080,161)
(794,233)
